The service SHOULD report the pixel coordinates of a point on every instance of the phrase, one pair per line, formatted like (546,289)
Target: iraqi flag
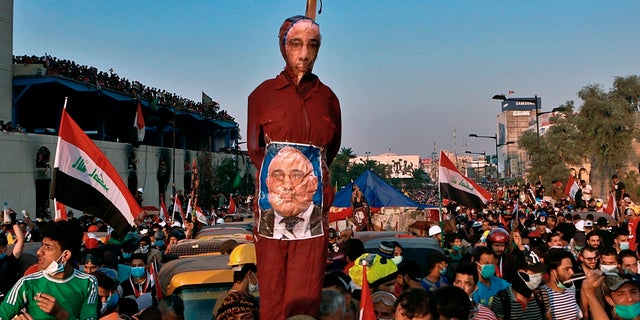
(456,187)
(177,208)
(366,303)
(61,210)
(201,217)
(163,211)
(83,178)
(611,206)
(571,188)
(138,122)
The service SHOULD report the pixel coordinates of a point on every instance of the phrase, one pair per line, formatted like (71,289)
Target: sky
(409,74)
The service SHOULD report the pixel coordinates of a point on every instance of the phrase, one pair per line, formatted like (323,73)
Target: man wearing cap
(294,108)
(523,300)
(588,226)
(138,196)
(539,235)
(245,279)
(435,232)
(620,293)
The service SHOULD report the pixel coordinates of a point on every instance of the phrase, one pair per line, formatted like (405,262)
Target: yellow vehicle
(199,281)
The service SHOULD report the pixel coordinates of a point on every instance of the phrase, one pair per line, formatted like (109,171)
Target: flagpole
(440,203)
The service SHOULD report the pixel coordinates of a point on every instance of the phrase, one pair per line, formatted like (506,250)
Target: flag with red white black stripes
(83,178)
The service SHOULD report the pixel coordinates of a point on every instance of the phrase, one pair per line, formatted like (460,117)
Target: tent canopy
(376,191)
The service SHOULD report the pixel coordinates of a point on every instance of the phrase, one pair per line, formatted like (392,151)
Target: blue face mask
(443,271)
(126,255)
(628,312)
(138,272)
(112,302)
(487,270)
(159,243)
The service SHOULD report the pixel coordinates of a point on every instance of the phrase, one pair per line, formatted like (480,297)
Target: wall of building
(6,58)
(18,152)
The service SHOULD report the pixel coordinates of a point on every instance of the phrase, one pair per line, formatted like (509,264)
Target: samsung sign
(521,103)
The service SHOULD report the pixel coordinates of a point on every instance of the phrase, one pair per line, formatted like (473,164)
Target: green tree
(561,145)
(607,125)
(223,177)
(339,167)
(358,168)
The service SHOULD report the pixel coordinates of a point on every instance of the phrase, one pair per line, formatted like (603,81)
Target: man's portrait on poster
(291,192)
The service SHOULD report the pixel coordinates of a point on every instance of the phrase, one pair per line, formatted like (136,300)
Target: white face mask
(624,245)
(397,260)
(534,280)
(55,267)
(608,268)
(253,287)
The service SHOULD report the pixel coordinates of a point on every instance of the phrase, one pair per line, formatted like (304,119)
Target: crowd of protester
(109,79)
(528,254)
(124,283)
(518,258)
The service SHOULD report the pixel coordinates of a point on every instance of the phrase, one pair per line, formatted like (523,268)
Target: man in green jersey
(57,290)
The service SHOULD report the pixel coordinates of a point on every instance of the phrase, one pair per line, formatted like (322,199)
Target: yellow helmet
(241,255)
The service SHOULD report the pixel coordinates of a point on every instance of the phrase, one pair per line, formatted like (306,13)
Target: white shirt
(302,230)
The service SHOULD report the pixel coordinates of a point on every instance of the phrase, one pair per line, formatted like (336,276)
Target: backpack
(506,301)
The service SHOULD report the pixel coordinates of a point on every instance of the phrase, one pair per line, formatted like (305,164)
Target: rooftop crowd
(109,79)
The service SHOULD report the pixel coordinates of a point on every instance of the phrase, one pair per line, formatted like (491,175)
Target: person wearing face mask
(562,296)
(621,240)
(608,260)
(488,283)
(57,290)
(628,264)
(467,279)
(153,255)
(523,300)
(140,285)
(437,270)
(621,294)
(245,278)
(107,293)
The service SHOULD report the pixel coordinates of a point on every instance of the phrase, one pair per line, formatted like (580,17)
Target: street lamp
(494,137)
(484,154)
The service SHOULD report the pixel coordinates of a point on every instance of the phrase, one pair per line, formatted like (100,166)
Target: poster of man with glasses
(290,192)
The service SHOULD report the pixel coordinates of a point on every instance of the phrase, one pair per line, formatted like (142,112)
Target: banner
(290,201)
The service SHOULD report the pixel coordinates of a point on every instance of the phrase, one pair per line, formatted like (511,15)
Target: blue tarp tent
(377,192)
